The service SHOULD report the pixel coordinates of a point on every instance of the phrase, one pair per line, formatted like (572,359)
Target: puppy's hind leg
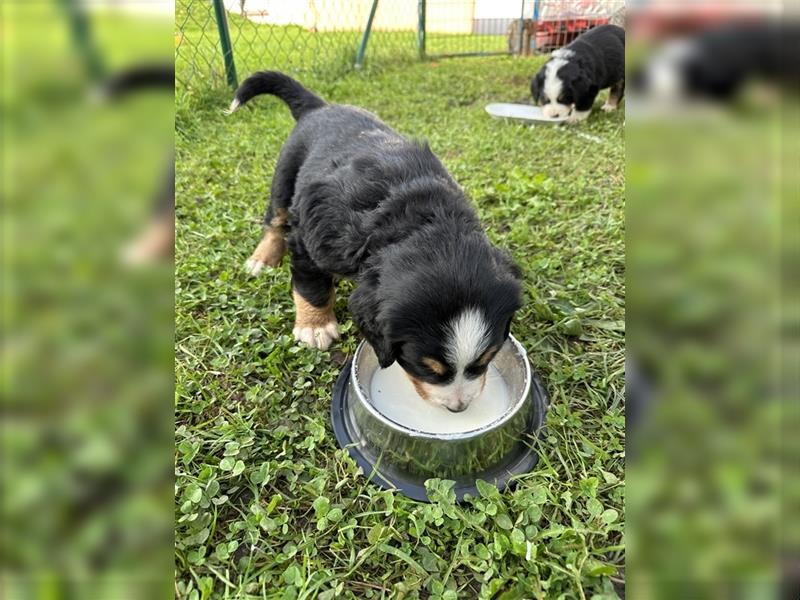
(272,247)
(614,96)
(312,290)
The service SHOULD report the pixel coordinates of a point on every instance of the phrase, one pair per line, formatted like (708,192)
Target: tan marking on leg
(315,326)
(155,242)
(272,247)
(268,253)
(280,218)
(612,101)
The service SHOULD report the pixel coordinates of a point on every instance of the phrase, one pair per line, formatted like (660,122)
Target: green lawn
(87,344)
(266,504)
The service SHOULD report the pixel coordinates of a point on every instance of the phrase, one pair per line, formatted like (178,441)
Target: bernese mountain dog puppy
(715,64)
(357,200)
(567,84)
(156,240)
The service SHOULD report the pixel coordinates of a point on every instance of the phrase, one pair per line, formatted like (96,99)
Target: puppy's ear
(507,292)
(584,92)
(365,306)
(506,263)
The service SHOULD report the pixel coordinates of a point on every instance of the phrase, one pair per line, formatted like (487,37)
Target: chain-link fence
(549,24)
(325,38)
(318,38)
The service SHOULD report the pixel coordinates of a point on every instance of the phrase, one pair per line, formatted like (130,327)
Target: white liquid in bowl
(394,396)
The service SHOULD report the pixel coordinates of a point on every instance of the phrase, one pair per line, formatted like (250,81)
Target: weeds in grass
(267,505)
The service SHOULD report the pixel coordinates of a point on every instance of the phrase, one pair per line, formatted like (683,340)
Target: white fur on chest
(553,85)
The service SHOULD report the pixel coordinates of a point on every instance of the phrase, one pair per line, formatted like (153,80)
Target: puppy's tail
(139,78)
(299,99)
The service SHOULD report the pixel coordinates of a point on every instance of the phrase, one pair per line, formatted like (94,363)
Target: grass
(87,447)
(267,505)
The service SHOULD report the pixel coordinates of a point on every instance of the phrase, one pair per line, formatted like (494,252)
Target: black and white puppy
(713,65)
(359,201)
(567,84)
(156,240)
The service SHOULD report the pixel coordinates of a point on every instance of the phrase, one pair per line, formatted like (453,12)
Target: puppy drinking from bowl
(356,200)
(567,84)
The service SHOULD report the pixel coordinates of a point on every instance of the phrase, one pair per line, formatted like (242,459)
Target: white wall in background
(501,9)
(444,16)
(143,7)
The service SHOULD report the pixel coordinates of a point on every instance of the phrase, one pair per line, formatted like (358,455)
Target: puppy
(156,240)
(715,64)
(567,85)
(359,201)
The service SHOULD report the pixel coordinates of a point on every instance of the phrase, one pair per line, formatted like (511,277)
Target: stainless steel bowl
(396,456)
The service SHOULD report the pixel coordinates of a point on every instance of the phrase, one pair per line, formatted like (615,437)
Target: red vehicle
(556,23)
(555,32)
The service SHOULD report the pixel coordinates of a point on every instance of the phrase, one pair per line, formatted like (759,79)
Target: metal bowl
(396,457)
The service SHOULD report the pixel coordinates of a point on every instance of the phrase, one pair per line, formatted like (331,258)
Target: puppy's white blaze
(553,86)
(468,338)
(665,73)
(665,79)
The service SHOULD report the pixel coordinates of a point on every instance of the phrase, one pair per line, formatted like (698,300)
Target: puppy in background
(567,85)
(712,66)
(156,239)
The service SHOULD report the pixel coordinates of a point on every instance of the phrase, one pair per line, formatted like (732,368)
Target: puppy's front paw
(314,326)
(608,107)
(317,337)
(578,115)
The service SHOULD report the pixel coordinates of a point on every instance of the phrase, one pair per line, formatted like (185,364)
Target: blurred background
(711,190)
(87,336)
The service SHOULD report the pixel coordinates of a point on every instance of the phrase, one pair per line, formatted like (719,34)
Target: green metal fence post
(521,26)
(82,38)
(225,43)
(421,29)
(362,47)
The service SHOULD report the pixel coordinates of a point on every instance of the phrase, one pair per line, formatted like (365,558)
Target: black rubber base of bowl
(384,477)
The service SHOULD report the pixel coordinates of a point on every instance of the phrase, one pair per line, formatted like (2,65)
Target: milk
(394,396)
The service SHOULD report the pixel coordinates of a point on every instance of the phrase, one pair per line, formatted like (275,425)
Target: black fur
(143,78)
(720,60)
(299,99)
(598,63)
(368,204)
(139,78)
